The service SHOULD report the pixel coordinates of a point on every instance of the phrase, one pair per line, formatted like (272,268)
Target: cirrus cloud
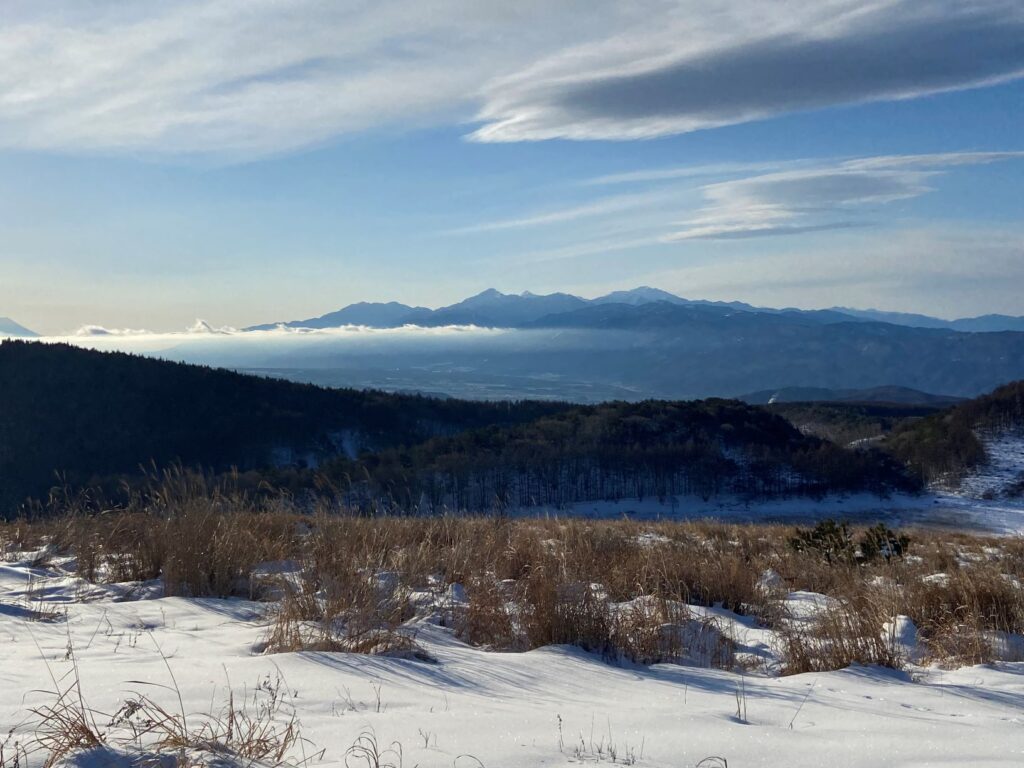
(829,196)
(692,74)
(260,77)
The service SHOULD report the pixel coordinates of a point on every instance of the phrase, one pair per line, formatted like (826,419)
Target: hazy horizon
(202,326)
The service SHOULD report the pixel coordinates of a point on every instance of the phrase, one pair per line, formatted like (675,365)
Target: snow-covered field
(934,509)
(1003,470)
(979,502)
(556,706)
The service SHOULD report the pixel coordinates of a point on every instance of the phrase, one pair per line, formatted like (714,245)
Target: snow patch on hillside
(937,509)
(1003,470)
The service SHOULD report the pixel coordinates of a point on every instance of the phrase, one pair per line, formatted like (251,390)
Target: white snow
(902,632)
(936,508)
(770,582)
(557,706)
(979,503)
(1004,468)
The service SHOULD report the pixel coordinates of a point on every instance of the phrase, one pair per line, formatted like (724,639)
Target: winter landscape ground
(237,638)
(578,383)
(659,584)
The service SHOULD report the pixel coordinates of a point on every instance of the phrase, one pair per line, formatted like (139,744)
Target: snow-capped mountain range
(504,310)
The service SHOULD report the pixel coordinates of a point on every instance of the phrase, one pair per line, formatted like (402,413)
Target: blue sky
(253,161)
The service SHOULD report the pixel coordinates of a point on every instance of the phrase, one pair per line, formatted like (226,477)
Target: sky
(250,161)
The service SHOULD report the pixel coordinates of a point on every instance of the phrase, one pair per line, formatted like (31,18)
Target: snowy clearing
(555,706)
(936,509)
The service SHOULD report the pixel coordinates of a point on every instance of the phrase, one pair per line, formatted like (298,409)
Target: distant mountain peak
(489,293)
(10,328)
(643,294)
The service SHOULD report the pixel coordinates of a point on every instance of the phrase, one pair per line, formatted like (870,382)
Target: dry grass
(851,631)
(145,731)
(619,588)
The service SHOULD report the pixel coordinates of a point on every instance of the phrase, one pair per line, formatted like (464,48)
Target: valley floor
(938,509)
(555,706)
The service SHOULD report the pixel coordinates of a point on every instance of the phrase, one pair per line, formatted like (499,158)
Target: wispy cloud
(201,331)
(605,206)
(691,172)
(99,331)
(936,160)
(251,77)
(750,200)
(702,65)
(834,195)
(244,78)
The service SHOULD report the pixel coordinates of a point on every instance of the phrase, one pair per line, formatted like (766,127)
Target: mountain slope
(982,324)
(890,394)
(950,445)
(489,308)
(10,328)
(96,418)
(659,350)
(373,314)
(612,451)
(699,350)
(495,309)
(988,324)
(91,414)
(501,310)
(642,295)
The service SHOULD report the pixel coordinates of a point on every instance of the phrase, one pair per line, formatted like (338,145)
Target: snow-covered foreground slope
(556,706)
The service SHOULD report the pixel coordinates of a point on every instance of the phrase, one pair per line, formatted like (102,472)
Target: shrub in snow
(835,542)
(882,542)
(831,539)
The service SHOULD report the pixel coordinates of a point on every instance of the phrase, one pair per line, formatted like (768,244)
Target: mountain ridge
(892,394)
(492,308)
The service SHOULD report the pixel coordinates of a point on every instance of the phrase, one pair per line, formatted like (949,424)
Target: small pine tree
(880,540)
(829,538)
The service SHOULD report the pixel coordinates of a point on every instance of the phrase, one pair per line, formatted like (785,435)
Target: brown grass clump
(144,730)
(619,588)
(65,725)
(200,537)
(850,631)
(234,732)
(958,611)
(488,620)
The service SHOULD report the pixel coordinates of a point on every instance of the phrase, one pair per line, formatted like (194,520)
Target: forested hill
(613,451)
(96,417)
(947,443)
(91,414)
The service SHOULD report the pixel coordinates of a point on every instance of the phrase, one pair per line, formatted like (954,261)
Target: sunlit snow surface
(505,709)
(1004,468)
(932,509)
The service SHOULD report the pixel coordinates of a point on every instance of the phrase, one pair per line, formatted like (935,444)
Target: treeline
(80,418)
(946,445)
(613,451)
(845,423)
(87,416)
